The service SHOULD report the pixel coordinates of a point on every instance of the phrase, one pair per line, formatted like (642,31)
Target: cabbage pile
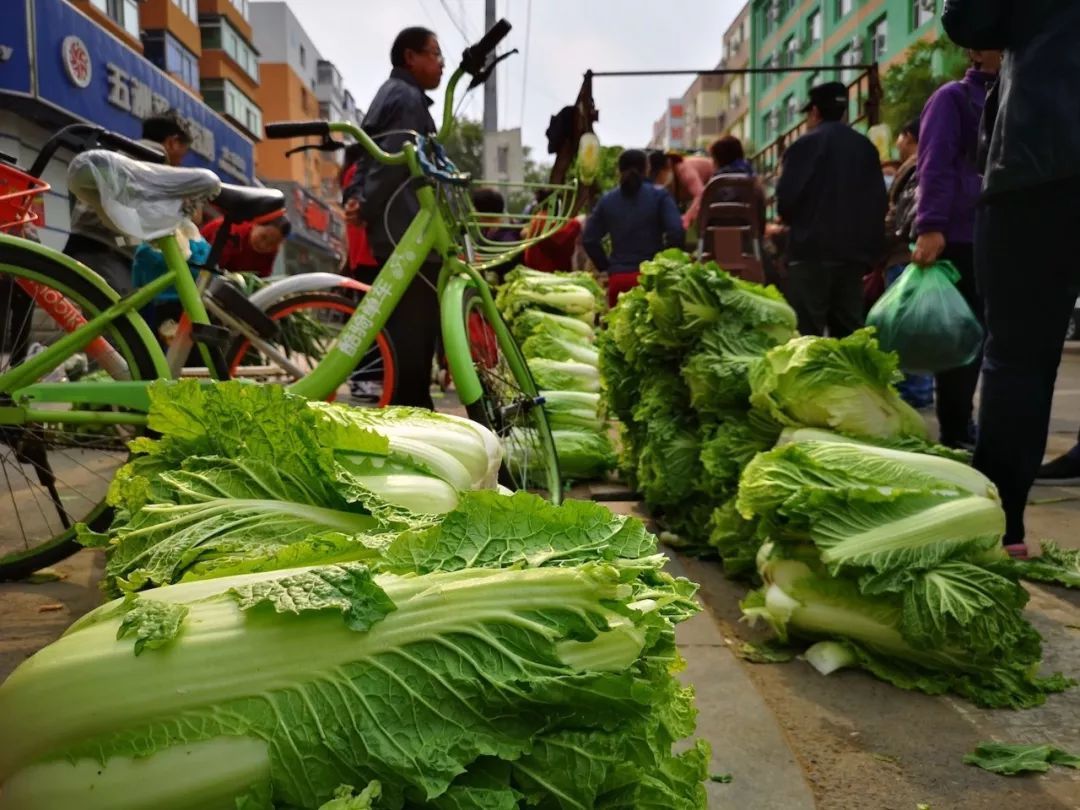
(552,315)
(676,359)
(294,629)
(891,561)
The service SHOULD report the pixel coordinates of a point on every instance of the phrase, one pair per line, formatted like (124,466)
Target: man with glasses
(380,197)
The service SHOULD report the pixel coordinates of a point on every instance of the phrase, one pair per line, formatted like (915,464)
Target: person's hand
(928,248)
(774,228)
(354,212)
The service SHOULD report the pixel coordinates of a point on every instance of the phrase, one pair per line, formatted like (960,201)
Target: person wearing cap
(832,199)
(948,193)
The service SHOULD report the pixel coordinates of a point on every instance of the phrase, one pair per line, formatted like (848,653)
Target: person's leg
(956,387)
(111,265)
(808,293)
(413,327)
(1021,240)
(846,309)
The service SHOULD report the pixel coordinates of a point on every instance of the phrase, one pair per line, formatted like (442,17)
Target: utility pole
(491,98)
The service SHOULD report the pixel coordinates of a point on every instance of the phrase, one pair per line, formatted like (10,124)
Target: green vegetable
(249,478)
(534,321)
(581,279)
(1055,565)
(717,374)
(561,297)
(554,348)
(564,375)
(838,384)
(1010,760)
(516,652)
(964,634)
(573,410)
(583,455)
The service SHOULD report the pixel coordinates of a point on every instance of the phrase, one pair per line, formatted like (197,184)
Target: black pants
(1029,278)
(956,387)
(827,296)
(112,265)
(413,329)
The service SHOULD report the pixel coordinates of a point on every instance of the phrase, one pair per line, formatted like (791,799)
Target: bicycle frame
(428,231)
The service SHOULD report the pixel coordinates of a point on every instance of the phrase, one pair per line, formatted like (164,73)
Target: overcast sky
(565,37)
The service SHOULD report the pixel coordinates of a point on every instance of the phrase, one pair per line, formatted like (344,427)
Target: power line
(525,60)
(453,19)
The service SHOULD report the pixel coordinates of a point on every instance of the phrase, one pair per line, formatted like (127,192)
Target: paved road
(789,737)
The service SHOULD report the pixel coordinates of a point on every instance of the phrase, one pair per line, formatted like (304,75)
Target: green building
(794,33)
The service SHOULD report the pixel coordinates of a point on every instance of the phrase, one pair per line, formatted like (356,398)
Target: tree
(465,145)
(908,84)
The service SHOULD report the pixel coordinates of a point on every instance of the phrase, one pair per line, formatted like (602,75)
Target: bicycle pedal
(233,301)
(210,335)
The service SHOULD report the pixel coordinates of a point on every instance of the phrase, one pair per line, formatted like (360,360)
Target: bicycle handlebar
(475,56)
(298,129)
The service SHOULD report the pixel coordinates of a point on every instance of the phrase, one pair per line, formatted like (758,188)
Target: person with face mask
(381,198)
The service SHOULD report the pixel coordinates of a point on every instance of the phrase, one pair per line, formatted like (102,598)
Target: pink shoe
(1018,551)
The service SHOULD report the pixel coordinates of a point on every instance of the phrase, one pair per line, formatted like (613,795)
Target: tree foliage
(465,145)
(908,84)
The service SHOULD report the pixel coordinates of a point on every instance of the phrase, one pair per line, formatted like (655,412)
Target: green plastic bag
(926,321)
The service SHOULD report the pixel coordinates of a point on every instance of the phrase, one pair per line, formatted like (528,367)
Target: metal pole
(491,103)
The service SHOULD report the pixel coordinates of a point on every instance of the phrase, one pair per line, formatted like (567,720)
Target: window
(222,36)
(767,78)
(242,7)
(502,160)
(189,7)
(843,8)
(124,13)
(224,96)
(922,12)
(813,81)
(303,57)
(879,32)
(843,57)
(813,27)
(792,106)
(172,57)
(766,126)
(791,51)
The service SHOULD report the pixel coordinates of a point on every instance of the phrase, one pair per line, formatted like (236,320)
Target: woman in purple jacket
(949,186)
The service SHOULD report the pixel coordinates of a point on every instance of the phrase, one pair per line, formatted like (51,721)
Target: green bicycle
(56,473)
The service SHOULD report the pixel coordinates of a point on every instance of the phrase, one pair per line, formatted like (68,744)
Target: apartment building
(290,68)
(113,63)
(832,34)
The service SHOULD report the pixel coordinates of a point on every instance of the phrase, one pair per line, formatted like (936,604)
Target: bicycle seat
(241,203)
(140,200)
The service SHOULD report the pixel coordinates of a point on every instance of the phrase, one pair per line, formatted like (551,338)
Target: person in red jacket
(251,246)
(360,257)
(556,252)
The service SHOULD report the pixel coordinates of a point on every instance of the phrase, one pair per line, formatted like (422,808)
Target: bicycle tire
(15,260)
(384,346)
(521,469)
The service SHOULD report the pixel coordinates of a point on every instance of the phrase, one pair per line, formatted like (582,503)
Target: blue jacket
(640,225)
(948,174)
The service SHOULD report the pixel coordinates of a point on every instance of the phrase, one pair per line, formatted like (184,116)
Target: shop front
(57,66)
(316,243)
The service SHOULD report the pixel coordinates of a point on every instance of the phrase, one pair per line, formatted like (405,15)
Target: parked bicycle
(53,483)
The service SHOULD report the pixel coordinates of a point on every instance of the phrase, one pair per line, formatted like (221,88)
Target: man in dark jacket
(380,197)
(831,196)
(1025,230)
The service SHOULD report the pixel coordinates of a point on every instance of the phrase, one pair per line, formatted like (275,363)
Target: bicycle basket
(553,205)
(17,192)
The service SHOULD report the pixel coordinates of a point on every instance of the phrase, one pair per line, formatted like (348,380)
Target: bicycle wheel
(509,405)
(309,324)
(55,475)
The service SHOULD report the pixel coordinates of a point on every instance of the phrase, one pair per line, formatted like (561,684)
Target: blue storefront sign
(74,65)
